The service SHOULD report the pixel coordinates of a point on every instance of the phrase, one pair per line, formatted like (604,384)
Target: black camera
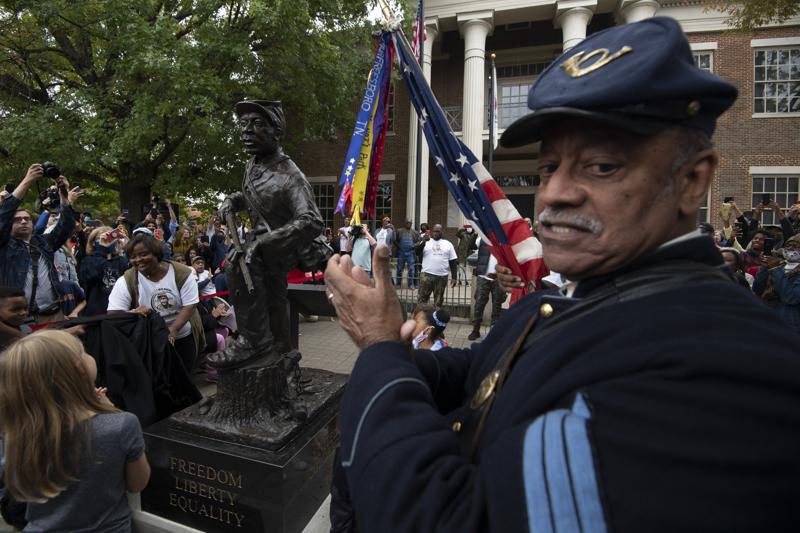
(356,231)
(51,170)
(53,198)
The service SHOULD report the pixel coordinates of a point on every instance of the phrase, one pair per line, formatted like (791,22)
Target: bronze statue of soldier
(286,233)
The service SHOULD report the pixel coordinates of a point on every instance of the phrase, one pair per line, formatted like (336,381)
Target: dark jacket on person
(630,416)
(780,290)
(97,274)
(14,255)
(218,251)
(483,259)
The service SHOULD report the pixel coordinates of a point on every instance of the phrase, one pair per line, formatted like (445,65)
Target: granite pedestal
(216,485)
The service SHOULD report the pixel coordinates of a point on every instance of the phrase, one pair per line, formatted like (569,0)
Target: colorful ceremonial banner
(363,161)
(477,195)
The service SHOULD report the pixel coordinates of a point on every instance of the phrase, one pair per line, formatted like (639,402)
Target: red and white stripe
(420,33)
(523,253)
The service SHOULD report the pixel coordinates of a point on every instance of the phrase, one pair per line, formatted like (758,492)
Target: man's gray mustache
(561,217)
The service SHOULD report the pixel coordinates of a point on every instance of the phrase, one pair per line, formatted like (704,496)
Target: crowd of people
(59,263)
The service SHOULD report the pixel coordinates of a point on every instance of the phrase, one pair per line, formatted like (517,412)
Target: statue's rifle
(237,244)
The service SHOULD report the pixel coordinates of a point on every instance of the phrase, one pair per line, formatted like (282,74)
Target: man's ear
(694,180)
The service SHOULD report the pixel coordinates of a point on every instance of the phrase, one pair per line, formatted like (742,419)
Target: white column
(474,27)
(636,10)
(432,27)
(573,16)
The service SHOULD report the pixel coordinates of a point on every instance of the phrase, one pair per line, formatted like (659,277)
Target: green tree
(751,14)
(136,96)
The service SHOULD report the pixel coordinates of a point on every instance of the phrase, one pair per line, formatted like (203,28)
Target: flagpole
(492,97)
(418,178)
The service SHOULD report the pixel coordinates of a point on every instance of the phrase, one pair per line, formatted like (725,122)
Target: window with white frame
(513,84)
(781,189)
(704,60)
(383,200)
(325,196)
(777,80)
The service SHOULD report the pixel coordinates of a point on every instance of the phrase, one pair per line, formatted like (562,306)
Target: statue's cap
(262,107)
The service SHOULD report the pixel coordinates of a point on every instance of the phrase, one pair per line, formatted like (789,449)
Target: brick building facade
(758,139)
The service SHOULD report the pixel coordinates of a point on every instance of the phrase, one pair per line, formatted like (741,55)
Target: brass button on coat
(546,310)
(485,389)
(456,426)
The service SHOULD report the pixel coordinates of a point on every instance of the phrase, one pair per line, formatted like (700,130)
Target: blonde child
(69,452)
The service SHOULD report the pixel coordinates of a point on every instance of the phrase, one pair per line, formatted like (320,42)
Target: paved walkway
(324,344)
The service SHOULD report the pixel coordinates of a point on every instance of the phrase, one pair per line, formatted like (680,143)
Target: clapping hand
(368,311)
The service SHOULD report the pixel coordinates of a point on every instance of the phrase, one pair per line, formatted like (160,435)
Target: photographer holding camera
(28,259)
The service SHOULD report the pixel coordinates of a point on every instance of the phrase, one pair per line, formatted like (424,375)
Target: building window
(517,181)
(513,101)
(703,211)
(325,196)
(781,189)
(517,71)
(704,60)
(383,200)
(513,84)
(777,80)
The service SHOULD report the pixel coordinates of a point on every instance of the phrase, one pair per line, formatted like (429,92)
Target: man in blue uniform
(651,393)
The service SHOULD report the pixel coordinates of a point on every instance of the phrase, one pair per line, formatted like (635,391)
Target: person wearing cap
(466,244)
(287,234)
(615,403)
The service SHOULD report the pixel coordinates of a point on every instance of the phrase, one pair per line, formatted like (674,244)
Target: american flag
(477,194)
(420,33)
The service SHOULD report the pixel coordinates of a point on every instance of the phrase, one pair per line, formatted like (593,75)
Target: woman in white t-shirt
(159,290)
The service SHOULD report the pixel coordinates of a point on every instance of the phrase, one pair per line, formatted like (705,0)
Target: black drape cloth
(141,369)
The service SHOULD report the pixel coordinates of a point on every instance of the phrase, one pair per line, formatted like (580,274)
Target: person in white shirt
(344,237)
(437,255)
(385,235)
(158,289)
(204,281)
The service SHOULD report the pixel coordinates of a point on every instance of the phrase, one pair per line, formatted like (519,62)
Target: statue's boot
(239,352)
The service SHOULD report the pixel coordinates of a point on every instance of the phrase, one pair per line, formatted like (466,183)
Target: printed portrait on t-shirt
(109,278)
(164,301)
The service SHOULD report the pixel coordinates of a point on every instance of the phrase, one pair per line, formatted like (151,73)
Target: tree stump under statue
(263,403)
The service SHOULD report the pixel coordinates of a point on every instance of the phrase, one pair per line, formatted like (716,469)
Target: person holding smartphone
(101,268)
(778,283)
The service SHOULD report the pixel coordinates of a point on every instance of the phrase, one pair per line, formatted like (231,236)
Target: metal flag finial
(391,18)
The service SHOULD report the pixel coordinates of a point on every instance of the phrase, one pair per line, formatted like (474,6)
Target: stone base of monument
(268,475)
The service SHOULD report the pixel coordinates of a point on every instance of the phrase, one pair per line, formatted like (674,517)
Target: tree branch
(96,179)
(169,148)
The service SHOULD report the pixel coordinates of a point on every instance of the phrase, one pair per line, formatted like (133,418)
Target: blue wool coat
(678,411)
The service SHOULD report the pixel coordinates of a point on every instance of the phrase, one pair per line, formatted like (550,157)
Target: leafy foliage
(131,95)
(751,14)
